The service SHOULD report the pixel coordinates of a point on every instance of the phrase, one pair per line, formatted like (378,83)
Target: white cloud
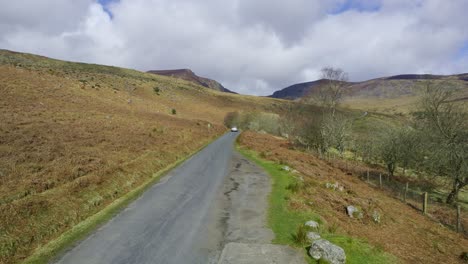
(251,47)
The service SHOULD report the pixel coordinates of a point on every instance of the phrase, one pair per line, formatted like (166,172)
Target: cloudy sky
(250,46)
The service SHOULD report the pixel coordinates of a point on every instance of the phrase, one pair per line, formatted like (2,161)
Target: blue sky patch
(105,4)
(356,5)
(463,51)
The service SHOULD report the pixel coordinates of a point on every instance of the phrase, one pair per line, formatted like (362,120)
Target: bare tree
(444,122)
(334,130)
(398,147)
(330,94)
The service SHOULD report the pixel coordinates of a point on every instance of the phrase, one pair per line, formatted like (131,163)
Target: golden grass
(74,138)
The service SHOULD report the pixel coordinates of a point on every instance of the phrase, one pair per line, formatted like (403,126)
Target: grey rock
(312,224)
(350,210)
(353,211)
(323,249)
(335,186)
(286,168)
(311,236)
(376,217)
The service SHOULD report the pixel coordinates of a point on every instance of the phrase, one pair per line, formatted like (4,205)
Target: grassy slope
(284,221)
(403,231)
(76,137)
(398,96)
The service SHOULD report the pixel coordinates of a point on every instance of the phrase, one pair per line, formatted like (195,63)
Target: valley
(80,142)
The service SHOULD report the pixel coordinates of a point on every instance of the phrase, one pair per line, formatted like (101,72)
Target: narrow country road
(176,221)
(211,209)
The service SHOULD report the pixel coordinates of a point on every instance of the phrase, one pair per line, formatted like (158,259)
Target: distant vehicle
(234,129)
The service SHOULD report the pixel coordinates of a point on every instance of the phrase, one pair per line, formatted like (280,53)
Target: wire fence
(420,196)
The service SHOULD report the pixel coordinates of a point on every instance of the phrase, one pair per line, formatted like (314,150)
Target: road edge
(48,252)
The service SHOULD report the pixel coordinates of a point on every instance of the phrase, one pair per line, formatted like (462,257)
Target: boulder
(312,236)
(323,249)
(353,211)
(286,168)
(350,210)
(312,224)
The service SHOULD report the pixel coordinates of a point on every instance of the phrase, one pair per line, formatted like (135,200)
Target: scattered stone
(335,186)
(299,178)
(286,168)
(312,224)
(350,210)
(376,217)
(323,249)
(311,236)
(353,212)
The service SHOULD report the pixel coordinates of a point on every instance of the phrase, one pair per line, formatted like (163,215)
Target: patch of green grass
(286,223)
(47,252)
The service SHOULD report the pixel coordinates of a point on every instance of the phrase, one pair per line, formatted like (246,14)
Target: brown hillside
(74,137)
(403,231)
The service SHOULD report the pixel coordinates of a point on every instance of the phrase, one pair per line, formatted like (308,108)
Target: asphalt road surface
(213,198)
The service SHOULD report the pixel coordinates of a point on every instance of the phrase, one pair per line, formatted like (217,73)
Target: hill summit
(189,75)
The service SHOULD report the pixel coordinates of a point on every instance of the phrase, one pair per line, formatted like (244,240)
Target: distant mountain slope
(403,85)
(296,91)
(188,75)
(386,87)
(393,94)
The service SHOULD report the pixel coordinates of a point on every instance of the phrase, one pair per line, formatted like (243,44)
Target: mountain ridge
(377,87)
(189,75)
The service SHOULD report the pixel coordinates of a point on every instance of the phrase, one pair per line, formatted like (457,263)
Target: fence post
(380,179)
(406,191)
(458,219)
(367,175)
(425,203)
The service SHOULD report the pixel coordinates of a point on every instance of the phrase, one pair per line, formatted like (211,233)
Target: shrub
(157,90)
(464,256)
(333,228)
(174,112)
(294,187)
(300,237)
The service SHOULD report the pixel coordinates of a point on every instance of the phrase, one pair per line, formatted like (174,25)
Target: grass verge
(284,222)
(52,249)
